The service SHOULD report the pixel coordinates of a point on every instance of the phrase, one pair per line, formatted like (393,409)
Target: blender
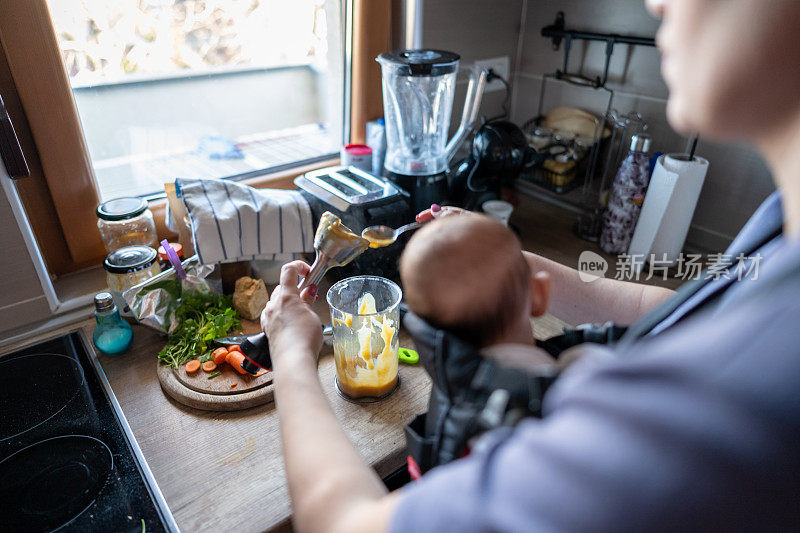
(418,91)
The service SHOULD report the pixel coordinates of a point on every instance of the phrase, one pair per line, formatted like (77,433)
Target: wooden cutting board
(228,383)
(218,394)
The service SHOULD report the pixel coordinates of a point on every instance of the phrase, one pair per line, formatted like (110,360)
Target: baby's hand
(436,211)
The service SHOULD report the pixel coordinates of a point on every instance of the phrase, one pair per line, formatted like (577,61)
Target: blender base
(364,399)
(423,190)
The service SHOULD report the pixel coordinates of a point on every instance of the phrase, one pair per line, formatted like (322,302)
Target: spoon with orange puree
(380,236)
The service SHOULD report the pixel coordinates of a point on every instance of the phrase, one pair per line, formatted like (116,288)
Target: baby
(466,274)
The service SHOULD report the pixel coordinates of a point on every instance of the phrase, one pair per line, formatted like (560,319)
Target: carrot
(233,384)
(219,355)
(192,366)
(235,359)
(209,366)
(234,348)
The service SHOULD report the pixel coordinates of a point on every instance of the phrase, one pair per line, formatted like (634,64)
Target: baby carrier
(471,394)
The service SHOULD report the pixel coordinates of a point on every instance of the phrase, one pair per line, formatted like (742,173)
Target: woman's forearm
(577,302)
(329,482)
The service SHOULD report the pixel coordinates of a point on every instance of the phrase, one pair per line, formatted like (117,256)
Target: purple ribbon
(174,260)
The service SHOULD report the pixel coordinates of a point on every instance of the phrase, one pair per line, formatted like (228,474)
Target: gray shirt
(696,427)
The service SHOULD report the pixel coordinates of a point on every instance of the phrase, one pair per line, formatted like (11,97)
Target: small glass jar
(126,222)
(127,267)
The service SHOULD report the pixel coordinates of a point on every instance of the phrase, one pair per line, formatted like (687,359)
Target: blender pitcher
(418,91)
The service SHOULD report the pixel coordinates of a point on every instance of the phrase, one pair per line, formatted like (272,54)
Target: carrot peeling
(234,384)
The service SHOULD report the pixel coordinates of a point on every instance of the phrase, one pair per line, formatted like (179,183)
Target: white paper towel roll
(668,208)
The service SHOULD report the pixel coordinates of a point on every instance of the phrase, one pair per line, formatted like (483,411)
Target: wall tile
(475,29)
(737,181)
(635,68)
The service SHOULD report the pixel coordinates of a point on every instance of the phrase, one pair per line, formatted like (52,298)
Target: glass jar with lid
(127,267)
(126,222)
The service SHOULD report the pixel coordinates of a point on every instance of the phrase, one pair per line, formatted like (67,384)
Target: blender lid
(422,62)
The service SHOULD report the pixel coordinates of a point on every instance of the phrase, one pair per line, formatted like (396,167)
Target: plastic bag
(154,301)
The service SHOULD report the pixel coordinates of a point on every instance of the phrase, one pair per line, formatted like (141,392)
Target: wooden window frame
(60,196)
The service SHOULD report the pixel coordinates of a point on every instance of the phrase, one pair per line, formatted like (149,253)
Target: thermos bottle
(626,198)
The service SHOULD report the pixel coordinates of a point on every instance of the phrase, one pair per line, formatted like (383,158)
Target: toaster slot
(366,183)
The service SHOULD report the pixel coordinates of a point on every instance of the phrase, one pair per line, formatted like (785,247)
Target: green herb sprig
(202,317)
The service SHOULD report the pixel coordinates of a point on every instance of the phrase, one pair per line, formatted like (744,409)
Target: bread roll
(250,297)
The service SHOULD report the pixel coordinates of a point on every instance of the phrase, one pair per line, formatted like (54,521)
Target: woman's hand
(436,211)
(293,328)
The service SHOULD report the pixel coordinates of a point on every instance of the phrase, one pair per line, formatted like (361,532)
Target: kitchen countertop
(222,471)
(547,230)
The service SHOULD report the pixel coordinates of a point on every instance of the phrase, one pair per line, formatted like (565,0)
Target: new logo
(591,266)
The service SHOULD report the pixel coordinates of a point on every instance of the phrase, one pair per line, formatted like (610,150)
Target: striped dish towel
(233,222)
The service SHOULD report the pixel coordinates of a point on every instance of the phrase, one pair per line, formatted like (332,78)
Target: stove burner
(35,388)
(47,484)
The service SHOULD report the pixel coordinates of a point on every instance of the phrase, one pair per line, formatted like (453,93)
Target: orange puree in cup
(369,366)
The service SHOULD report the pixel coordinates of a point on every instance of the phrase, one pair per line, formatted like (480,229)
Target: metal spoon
(380,236)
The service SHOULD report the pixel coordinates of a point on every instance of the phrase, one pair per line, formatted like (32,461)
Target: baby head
(466,274)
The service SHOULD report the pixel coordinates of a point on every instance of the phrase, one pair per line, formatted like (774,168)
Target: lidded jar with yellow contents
(365,315)
(126,222)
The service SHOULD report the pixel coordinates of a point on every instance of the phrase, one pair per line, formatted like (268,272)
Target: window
(73,167)
(201,88)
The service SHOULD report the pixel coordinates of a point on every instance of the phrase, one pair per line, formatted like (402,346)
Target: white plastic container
(499,210)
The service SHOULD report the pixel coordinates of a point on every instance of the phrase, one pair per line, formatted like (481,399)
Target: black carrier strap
(469,395)
(597,333)
(650,320)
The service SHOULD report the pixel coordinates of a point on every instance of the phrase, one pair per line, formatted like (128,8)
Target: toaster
(360,199)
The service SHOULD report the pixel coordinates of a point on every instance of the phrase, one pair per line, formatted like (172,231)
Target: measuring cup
(365,344)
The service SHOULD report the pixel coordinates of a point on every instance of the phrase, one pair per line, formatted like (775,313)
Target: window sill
(75,292)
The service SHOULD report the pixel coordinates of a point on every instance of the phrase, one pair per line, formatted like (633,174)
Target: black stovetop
(68,460)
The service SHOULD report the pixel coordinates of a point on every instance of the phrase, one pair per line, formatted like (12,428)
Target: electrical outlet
(501,66)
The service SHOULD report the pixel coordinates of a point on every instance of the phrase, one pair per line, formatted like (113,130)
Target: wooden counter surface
(548,231)
(223,471)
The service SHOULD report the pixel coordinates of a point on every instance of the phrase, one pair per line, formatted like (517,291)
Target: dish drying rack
(576,188)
